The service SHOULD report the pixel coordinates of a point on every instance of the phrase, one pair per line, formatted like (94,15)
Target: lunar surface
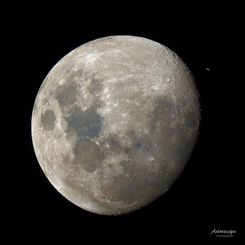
(114,123)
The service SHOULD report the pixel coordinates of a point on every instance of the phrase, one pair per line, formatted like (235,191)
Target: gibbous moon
(114,123)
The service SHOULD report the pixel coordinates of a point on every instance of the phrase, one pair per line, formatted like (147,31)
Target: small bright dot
(151,158)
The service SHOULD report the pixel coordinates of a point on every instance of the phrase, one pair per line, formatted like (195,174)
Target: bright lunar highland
(115,122)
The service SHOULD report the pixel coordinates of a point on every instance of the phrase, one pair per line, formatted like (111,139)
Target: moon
(114,123)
